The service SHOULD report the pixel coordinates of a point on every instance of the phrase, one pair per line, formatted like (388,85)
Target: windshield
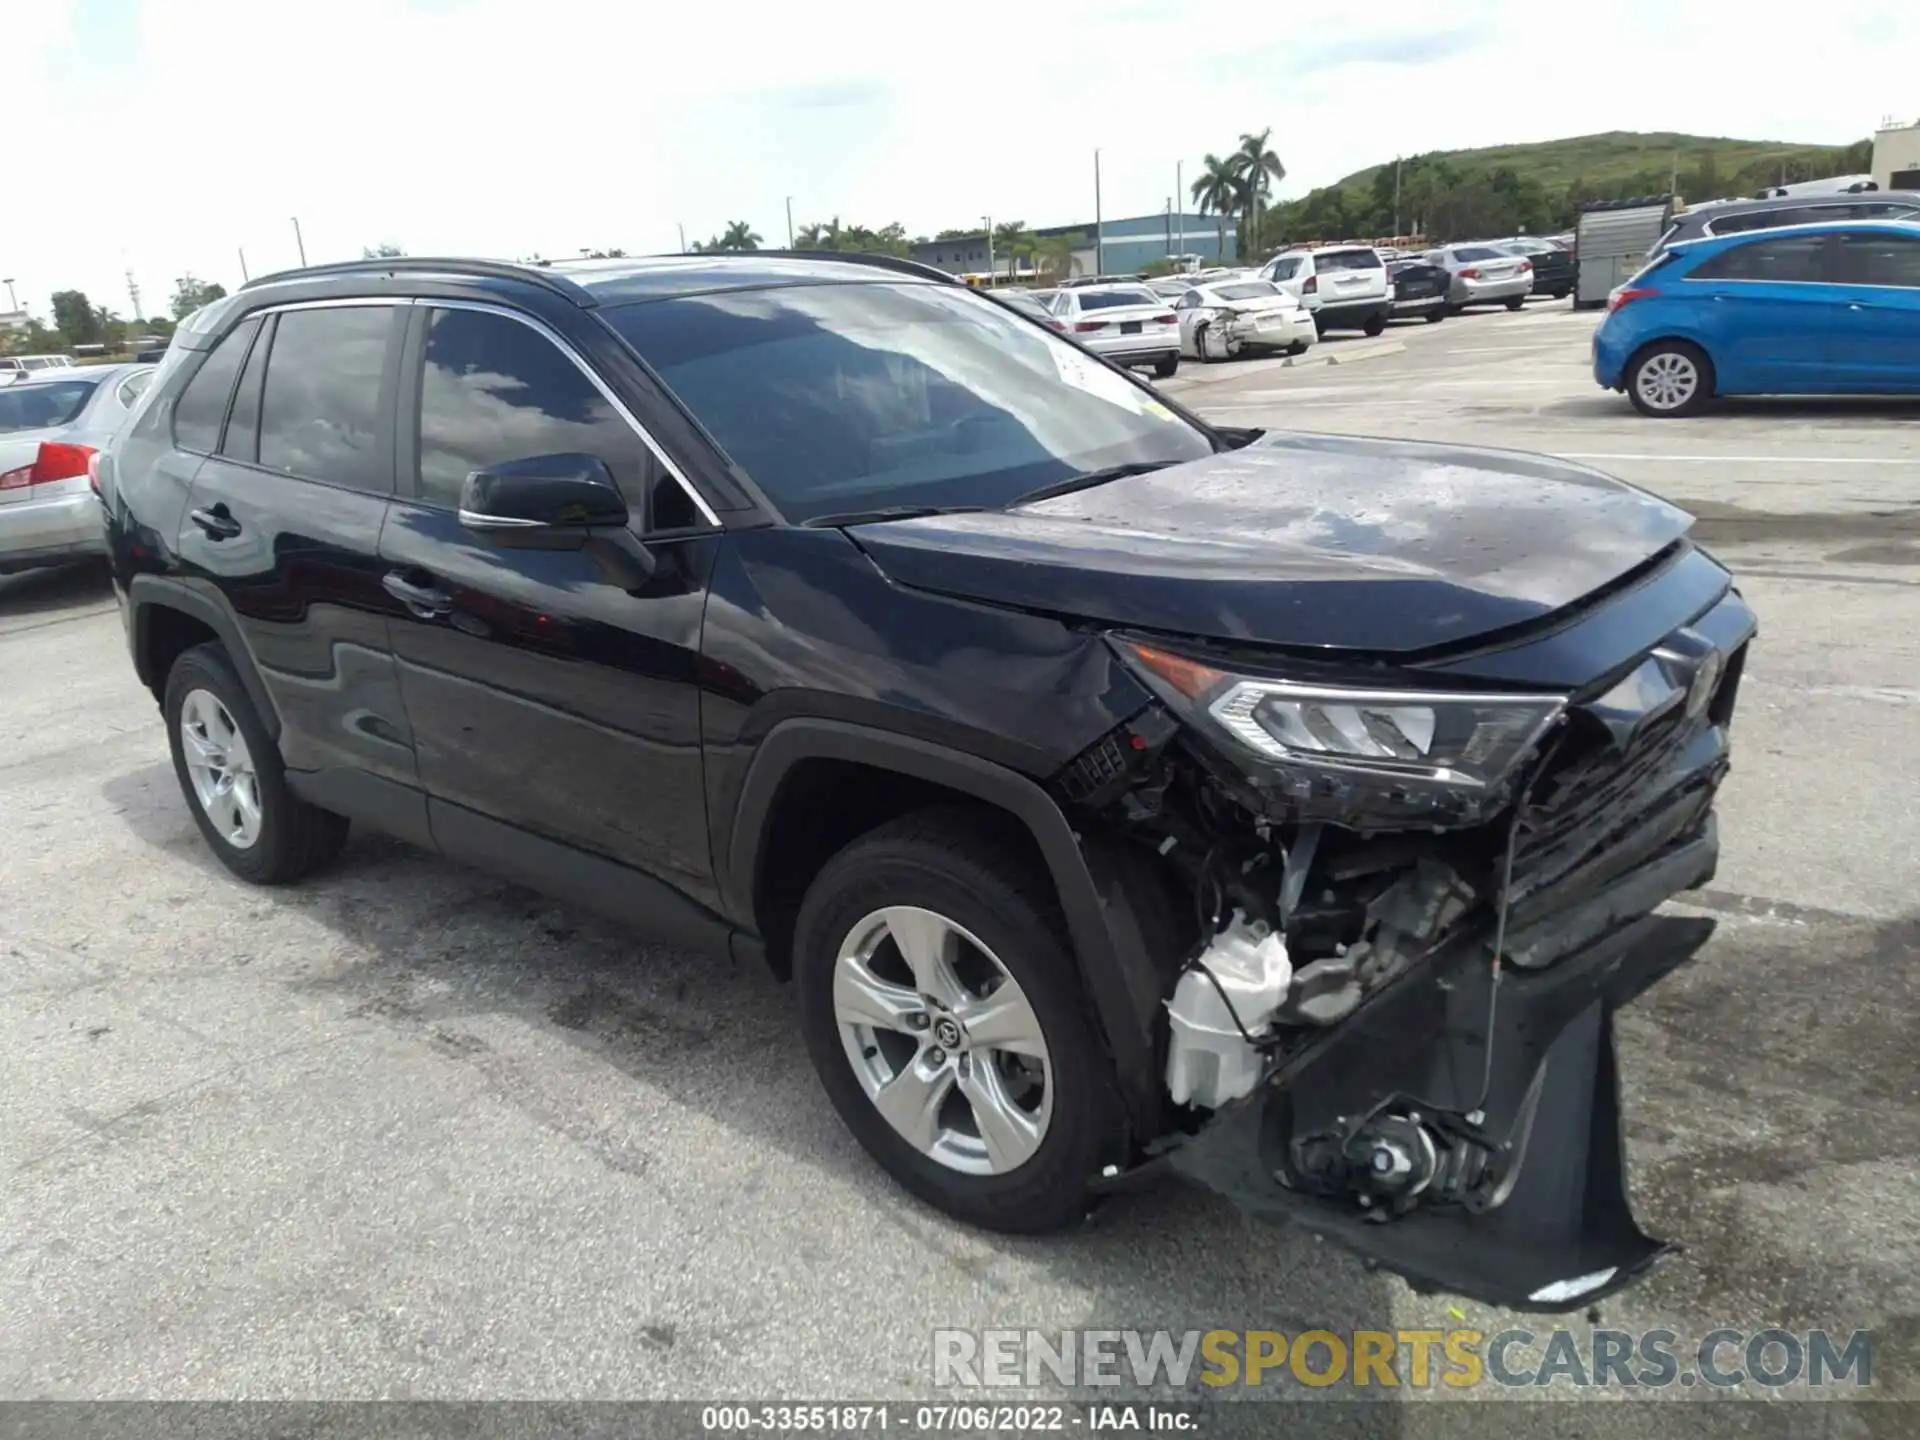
(43,406)
(838,398)
(1246,290)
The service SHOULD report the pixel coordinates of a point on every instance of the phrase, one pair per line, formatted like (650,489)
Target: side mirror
(545,502)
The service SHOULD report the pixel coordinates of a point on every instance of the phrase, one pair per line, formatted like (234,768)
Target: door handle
(216,522)
(423,601)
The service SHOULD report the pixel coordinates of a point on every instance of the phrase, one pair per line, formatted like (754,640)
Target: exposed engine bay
(1392,1002)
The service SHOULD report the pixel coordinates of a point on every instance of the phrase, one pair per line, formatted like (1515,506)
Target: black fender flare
(147,593)
(1109,938)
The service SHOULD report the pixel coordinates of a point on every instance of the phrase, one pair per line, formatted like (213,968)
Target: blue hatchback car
(1829,309)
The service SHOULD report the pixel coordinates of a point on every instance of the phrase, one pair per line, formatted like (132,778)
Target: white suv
(1344,287)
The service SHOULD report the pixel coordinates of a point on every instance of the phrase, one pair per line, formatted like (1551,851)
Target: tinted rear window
(1346,260)
(1110,299)
(43,406)
(1480,252)
(1246,290)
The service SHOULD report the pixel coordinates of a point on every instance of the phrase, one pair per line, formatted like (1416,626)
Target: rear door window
(1794,259)
(203,404)
(242,440)
(320,407)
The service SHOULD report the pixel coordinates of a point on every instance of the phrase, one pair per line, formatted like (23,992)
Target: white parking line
(1744,459)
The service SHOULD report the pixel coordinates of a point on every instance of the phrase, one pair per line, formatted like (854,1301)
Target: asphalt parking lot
(406,1131)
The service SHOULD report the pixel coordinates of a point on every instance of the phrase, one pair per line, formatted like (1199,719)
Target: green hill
(1504,189)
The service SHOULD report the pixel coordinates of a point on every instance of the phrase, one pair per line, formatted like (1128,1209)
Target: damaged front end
(1400,923)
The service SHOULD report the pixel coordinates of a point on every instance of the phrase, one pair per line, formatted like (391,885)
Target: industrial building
(1128,243)
(1896,156)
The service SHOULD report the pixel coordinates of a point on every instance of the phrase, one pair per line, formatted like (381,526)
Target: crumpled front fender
(1550,1228)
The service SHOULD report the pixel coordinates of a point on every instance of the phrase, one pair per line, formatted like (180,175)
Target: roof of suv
(588,283)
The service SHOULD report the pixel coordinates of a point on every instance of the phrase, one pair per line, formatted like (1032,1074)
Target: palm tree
(1216,192)
(1012,239)
(1253,164)
(1053,255)
(816,236)
(738,236)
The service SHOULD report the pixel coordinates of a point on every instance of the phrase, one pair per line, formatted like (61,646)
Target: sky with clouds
(164,136)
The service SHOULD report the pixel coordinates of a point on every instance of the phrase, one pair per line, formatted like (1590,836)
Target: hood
(1322,541)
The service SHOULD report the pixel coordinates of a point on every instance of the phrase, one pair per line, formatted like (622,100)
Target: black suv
(1121,793)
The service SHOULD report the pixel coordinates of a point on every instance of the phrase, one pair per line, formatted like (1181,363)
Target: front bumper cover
(1557,1230)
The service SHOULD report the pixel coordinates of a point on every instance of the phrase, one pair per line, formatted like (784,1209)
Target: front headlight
(1453,739)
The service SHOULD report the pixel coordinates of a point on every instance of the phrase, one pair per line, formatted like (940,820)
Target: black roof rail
(426,264)
(874,258)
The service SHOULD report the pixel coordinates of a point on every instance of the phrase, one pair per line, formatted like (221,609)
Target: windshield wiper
(887,512)
(1091,479)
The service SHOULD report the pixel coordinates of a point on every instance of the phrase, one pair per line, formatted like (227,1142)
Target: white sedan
(1234,317)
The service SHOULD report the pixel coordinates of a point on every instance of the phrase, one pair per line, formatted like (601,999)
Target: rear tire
(1166,369)
(1516,302)
(1200,333)
(258,827)
(1669,379)
(955,867)
(1561,294)
(1434,317)
(1375,326)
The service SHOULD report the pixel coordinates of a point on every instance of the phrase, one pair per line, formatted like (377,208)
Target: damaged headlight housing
(1469,740)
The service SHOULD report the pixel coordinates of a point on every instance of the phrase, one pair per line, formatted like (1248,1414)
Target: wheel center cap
(948,1035)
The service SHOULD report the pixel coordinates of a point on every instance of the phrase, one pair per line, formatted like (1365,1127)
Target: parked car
(1483,275)
(820,611)
(1812,310)
(1127,324)
(1555,271)
(1035,304)
(1741,216)
(1236,317)
(52,424)
(21,365)
(1419,289)
(1344,287)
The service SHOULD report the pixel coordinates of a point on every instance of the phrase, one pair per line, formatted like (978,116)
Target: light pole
(300,244)
(12,304)
(789,222)
(986,222)
(683,236)
(243,264)
(1099,225)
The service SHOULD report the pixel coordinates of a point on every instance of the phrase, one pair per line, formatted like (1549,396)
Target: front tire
(943,1012)
(1434,317)
(230,771)
(1670,378)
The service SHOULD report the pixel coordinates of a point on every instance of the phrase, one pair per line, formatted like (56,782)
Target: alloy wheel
(943,1040)
(221,768)
(1668,380)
